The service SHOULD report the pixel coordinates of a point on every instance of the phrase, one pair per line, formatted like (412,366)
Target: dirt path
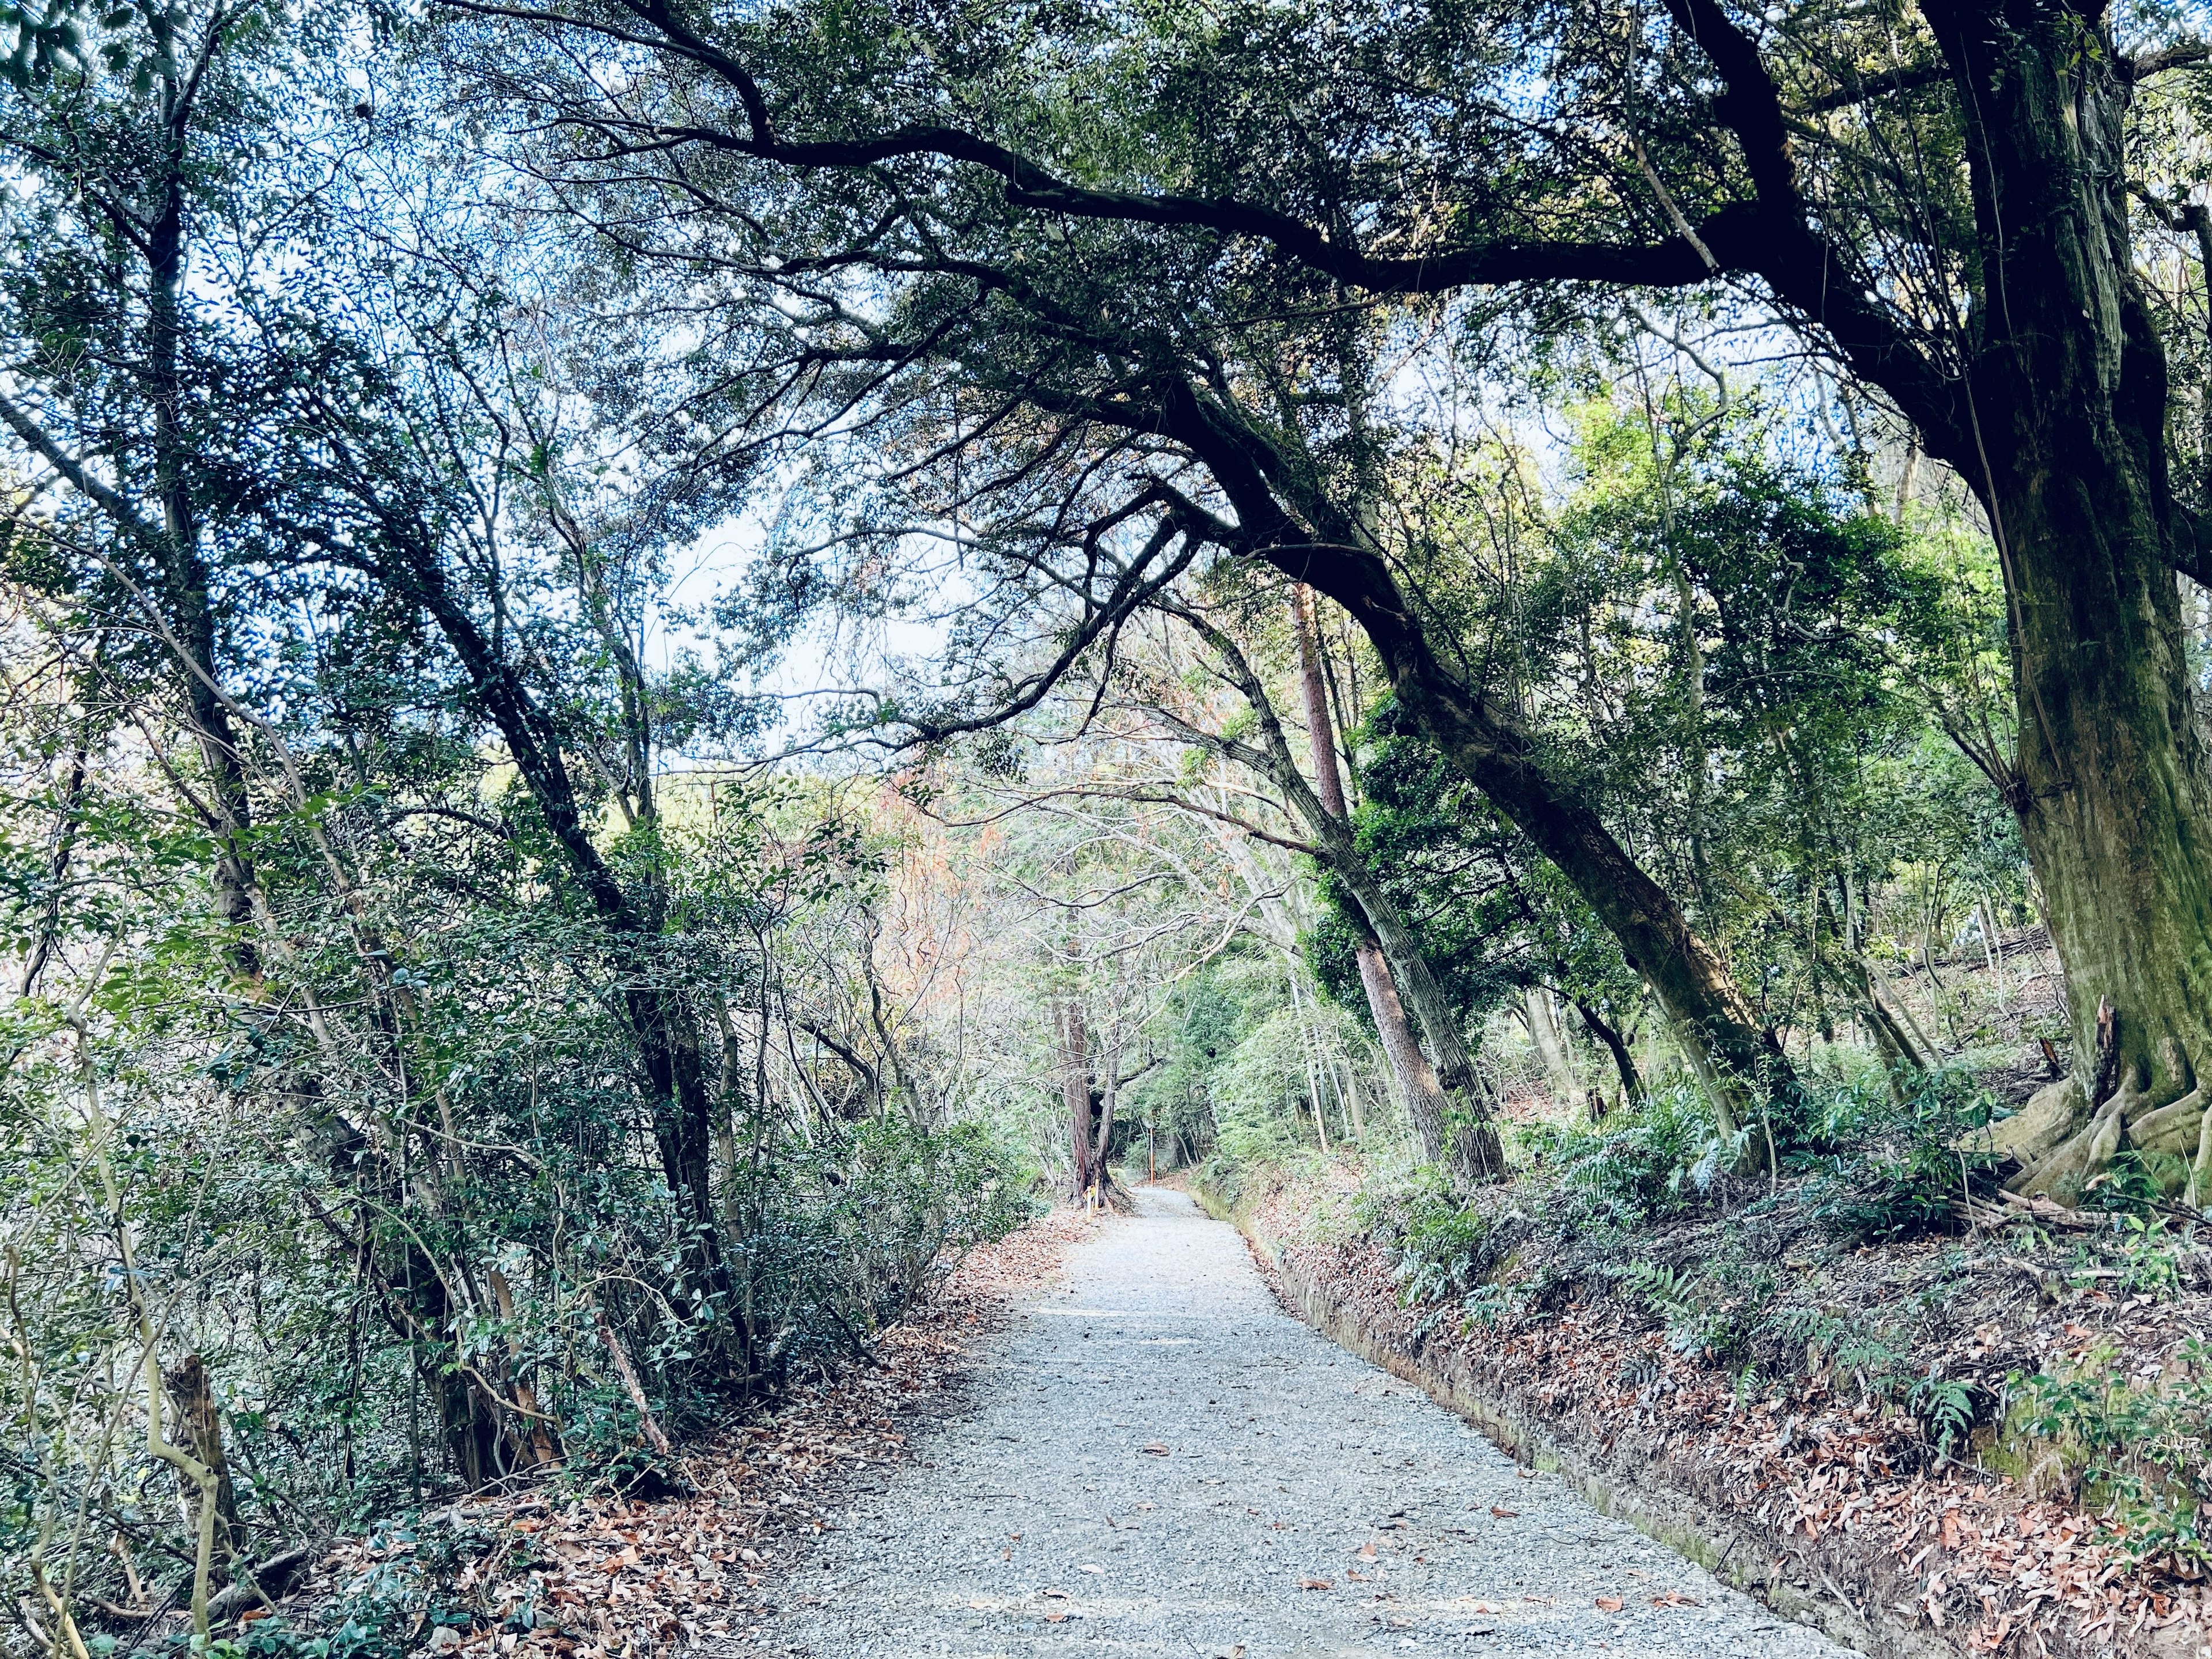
(1158,1458)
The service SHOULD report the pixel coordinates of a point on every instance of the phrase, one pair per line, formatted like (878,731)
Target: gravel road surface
(1155,1459)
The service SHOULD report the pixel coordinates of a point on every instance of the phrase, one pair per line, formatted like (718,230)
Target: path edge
(1662,1510)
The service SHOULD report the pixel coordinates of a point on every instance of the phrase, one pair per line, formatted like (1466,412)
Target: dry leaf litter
(601,1577)
(1845,1496)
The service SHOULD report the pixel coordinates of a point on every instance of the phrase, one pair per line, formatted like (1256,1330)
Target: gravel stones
(1157,1459)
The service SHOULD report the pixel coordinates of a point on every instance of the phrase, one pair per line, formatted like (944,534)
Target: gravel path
(1156,1456)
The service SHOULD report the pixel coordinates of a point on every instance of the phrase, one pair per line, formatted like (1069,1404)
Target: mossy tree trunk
(2068,410)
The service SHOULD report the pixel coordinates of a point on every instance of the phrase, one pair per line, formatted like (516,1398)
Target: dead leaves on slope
(1818,1477)
(603,1577)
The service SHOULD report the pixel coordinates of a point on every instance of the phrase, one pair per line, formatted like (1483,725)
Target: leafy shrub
(1635,1165)
(2145,1452)
(843,1237)
(1717,1328)
(1437,1248)
(2130,1185)
(2145,1251)
(1897,1170)
(1946,1408)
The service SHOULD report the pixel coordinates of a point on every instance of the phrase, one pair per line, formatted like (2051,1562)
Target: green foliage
(2140,1256)
(1889,1169)
(2142,1450)
(1436,1246)
(1945,1407)
(840,1237)
(1636,1164)
(1711,1322)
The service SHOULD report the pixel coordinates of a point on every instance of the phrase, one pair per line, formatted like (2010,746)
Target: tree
(1940,204)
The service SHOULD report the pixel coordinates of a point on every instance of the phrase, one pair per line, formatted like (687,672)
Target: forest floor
(1596,1353)
(552,1571)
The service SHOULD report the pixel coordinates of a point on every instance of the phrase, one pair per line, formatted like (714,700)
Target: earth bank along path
(1155,1459)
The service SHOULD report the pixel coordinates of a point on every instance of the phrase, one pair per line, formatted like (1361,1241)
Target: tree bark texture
(1427,1105)
(199,1429)
(1551,1044)
(2066,443)
(1631,1084)
(1738,1061)
(1075,1091)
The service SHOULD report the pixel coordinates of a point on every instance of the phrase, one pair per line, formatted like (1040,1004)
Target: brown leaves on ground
(561,1577)
(1835,1488)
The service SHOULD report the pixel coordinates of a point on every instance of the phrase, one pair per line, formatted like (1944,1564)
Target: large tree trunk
(2068,413)
(1427,1105)
(1736,1059)
(1739,1061)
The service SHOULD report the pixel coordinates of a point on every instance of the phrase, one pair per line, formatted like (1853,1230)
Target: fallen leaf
(1608,1604)
(1091,1566)
(1674,1599)
(1367,1553)
(1157,1450)
(1503,1515)
(1316,1583)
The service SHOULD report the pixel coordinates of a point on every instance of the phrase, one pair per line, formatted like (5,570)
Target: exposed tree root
(2062,1146)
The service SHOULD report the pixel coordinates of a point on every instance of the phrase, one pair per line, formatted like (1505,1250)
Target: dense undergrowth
(1854,1262)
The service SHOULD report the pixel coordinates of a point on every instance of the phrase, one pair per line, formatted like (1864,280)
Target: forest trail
(1155,1459)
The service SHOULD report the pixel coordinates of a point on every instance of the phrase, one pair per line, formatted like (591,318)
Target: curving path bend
(1157,1457)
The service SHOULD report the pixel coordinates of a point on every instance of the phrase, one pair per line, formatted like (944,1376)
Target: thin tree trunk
(1448,1105)
(1309,1043)
(1631,1085)
(1427,1105)
(1551,1044)
(191,1392)
(1075,1091)
(682,1094)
